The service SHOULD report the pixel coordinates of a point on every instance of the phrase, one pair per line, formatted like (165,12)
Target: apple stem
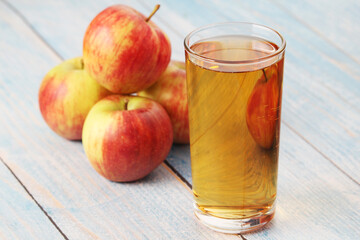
(82,63)
(265,75)
(157,6)
(126,104)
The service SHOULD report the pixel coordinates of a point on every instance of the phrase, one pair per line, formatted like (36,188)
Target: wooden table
(50,191)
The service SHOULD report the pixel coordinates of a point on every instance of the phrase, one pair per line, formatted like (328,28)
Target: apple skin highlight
(66,95)
(126,137)
(123,51)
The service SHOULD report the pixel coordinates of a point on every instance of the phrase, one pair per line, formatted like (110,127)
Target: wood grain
(336,22)
(287,151)
(320,99)
(56,172)
(319,194)
(20,216)
(315,199)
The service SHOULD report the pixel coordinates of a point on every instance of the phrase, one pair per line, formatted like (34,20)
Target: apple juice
(234,114)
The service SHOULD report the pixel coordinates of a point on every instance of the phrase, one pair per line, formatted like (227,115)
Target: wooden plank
(298,199)
(309,200)
(320,100)
(20,216)
(179,159)
(342,116)
(294,208)
(301,41)
(56,172)
(335,113)
(337,23)
(315,200)
(64,27)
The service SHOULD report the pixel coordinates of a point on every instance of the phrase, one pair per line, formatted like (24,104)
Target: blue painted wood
(316,200)
(179,158)
(20,217)
(337,23)
(336,113)
(66,22)
(321,97)
(57,173)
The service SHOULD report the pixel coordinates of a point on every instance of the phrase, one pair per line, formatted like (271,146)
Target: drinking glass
(234,84)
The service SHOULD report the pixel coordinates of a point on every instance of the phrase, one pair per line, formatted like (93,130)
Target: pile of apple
(123,98)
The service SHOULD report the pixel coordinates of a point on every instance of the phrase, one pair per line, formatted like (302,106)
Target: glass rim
(277,52)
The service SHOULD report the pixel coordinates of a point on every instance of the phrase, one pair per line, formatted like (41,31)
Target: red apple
(125,51)
(170,92)
(126,137)
(263,108)
(66,95)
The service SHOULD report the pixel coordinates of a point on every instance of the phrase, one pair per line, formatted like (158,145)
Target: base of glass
(234,226)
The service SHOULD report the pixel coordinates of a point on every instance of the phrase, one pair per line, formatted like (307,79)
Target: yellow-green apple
(126,137)
(66,95)
(263,108)
(170,91)
(125,51)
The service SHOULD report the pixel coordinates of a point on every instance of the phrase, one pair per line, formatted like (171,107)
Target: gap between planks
(165,164)
(32,197)
(282,7)
(321,153)
(284,122)
(185,183)
(24,20)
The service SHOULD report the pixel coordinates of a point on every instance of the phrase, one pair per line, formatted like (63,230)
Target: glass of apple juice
(234,83)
